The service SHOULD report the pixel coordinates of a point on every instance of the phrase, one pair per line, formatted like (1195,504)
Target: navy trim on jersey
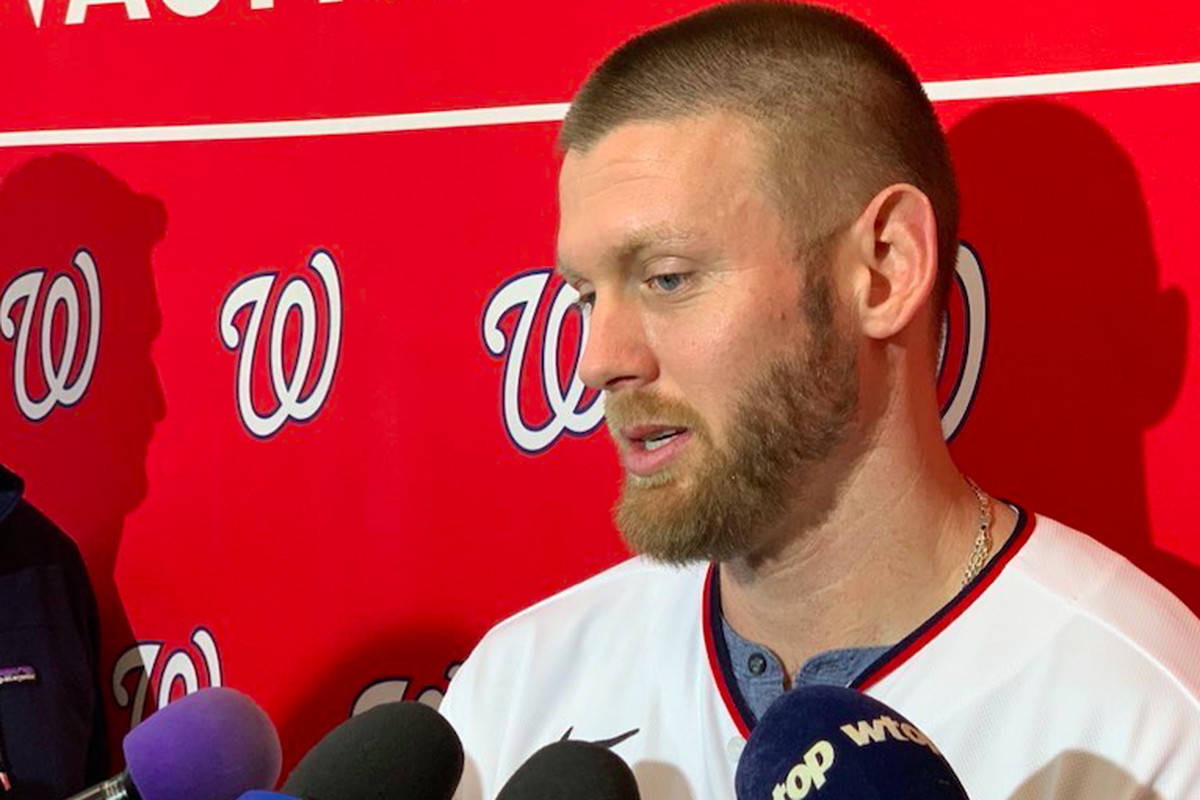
(722,667)
(719,650)
(927,630)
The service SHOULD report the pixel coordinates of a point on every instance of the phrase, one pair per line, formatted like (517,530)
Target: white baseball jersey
(1060,672)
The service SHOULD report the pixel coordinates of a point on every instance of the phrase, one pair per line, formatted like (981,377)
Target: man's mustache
(624,409)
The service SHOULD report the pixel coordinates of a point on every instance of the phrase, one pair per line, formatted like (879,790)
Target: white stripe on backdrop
(969,89)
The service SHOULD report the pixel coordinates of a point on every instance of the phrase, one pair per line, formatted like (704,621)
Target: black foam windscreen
(579,770)
(395,751)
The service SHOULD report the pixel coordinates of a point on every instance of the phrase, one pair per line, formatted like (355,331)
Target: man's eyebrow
(567,274)
(653,236)
(632,246)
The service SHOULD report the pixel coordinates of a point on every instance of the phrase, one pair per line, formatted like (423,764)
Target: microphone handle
(116,788)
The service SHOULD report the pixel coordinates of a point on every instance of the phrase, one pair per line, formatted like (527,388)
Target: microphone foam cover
(393,751)
(580,770)
(844,744)
(213,744)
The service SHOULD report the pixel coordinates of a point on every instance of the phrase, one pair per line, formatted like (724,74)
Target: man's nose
(616,354)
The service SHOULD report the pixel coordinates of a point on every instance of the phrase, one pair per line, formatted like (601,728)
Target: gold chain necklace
(983,539)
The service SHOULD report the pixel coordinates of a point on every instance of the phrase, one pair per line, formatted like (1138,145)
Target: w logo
(60,384)
(291,400)
(567,413)
(163,673)
(963,341)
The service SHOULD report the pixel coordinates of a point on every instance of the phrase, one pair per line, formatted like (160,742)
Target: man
(759,213)
(52,740)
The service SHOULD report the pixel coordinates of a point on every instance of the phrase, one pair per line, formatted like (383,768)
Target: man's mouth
(652,447)
(650,437)
(657,440)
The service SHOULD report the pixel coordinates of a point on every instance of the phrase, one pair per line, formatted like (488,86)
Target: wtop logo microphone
(808,773)
(290,400)
(60,384)
(962,349)
(812,770)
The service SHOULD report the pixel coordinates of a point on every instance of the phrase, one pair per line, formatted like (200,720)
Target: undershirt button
(757,663)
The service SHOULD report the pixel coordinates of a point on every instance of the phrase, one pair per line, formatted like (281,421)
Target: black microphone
(571,769)
(397,751)
(837,744)
(213,744)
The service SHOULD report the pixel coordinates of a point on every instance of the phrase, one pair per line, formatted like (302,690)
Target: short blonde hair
(841,112)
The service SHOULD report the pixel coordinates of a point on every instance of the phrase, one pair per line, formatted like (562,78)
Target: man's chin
(675,552)
(662,479)
(664,523)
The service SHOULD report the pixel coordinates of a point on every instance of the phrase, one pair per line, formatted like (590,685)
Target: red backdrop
(339,528)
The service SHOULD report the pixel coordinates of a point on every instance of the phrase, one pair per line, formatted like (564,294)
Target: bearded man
(759,214)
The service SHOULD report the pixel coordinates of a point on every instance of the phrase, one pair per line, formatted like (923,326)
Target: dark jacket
(51,724)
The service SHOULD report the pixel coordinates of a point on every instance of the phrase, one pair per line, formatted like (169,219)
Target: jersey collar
(722,668)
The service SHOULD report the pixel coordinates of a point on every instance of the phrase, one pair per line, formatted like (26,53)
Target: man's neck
(886,554)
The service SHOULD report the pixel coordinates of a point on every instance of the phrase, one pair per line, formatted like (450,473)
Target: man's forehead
(677,142)
(657,182)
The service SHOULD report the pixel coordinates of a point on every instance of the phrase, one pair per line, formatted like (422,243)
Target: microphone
(569,768)
(213,744)
(395,750)
(845,744)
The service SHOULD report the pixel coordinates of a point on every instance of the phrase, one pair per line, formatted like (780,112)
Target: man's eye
(668,282)
(585,302)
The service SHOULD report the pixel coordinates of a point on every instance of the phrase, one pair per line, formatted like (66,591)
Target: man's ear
(895,243)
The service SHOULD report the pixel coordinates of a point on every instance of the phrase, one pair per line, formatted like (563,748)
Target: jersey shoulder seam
(1116,565)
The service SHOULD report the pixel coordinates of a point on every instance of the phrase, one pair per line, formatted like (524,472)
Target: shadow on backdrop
(1087,350)
(326,696)
(1076,773)
(84,465)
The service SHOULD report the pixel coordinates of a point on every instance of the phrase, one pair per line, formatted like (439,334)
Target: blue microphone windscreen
(846,745)
(214,744)
(259,795)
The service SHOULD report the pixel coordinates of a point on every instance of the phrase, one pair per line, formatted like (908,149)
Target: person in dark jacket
(52,740)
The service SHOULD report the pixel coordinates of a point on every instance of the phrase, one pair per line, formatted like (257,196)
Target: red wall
(309,561)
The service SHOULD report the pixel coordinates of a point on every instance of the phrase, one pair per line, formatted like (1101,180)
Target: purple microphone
(214,744)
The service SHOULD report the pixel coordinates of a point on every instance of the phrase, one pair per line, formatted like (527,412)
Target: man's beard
(787,423)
